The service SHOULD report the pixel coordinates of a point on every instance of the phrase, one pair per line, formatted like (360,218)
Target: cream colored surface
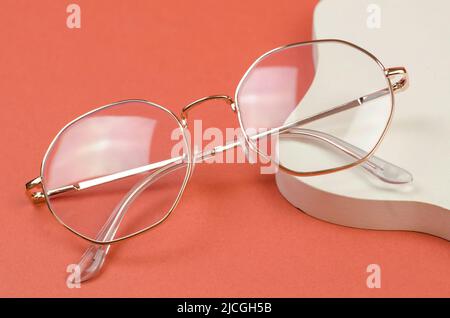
(414,35)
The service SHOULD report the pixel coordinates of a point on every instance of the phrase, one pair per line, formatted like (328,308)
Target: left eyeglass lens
(129,163)
(330,101)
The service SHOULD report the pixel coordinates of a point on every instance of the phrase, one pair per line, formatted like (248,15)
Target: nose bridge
(187,108)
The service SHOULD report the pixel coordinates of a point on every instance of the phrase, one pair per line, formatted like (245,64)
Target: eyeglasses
(311,108)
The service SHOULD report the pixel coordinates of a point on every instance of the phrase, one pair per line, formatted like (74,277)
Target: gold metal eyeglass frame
(397,80)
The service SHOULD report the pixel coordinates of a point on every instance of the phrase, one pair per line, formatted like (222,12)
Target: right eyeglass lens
(129,162)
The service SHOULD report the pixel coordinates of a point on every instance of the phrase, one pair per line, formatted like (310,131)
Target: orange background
(233,233)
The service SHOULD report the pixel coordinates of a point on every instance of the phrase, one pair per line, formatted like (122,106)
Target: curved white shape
(418,139)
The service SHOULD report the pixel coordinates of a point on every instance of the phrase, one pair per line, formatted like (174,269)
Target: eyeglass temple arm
(38,196)
(378,167)
(398,79)
(93,259)
(383,170)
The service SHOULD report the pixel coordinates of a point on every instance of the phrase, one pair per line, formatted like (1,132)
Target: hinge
(34,190)
(399,78)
